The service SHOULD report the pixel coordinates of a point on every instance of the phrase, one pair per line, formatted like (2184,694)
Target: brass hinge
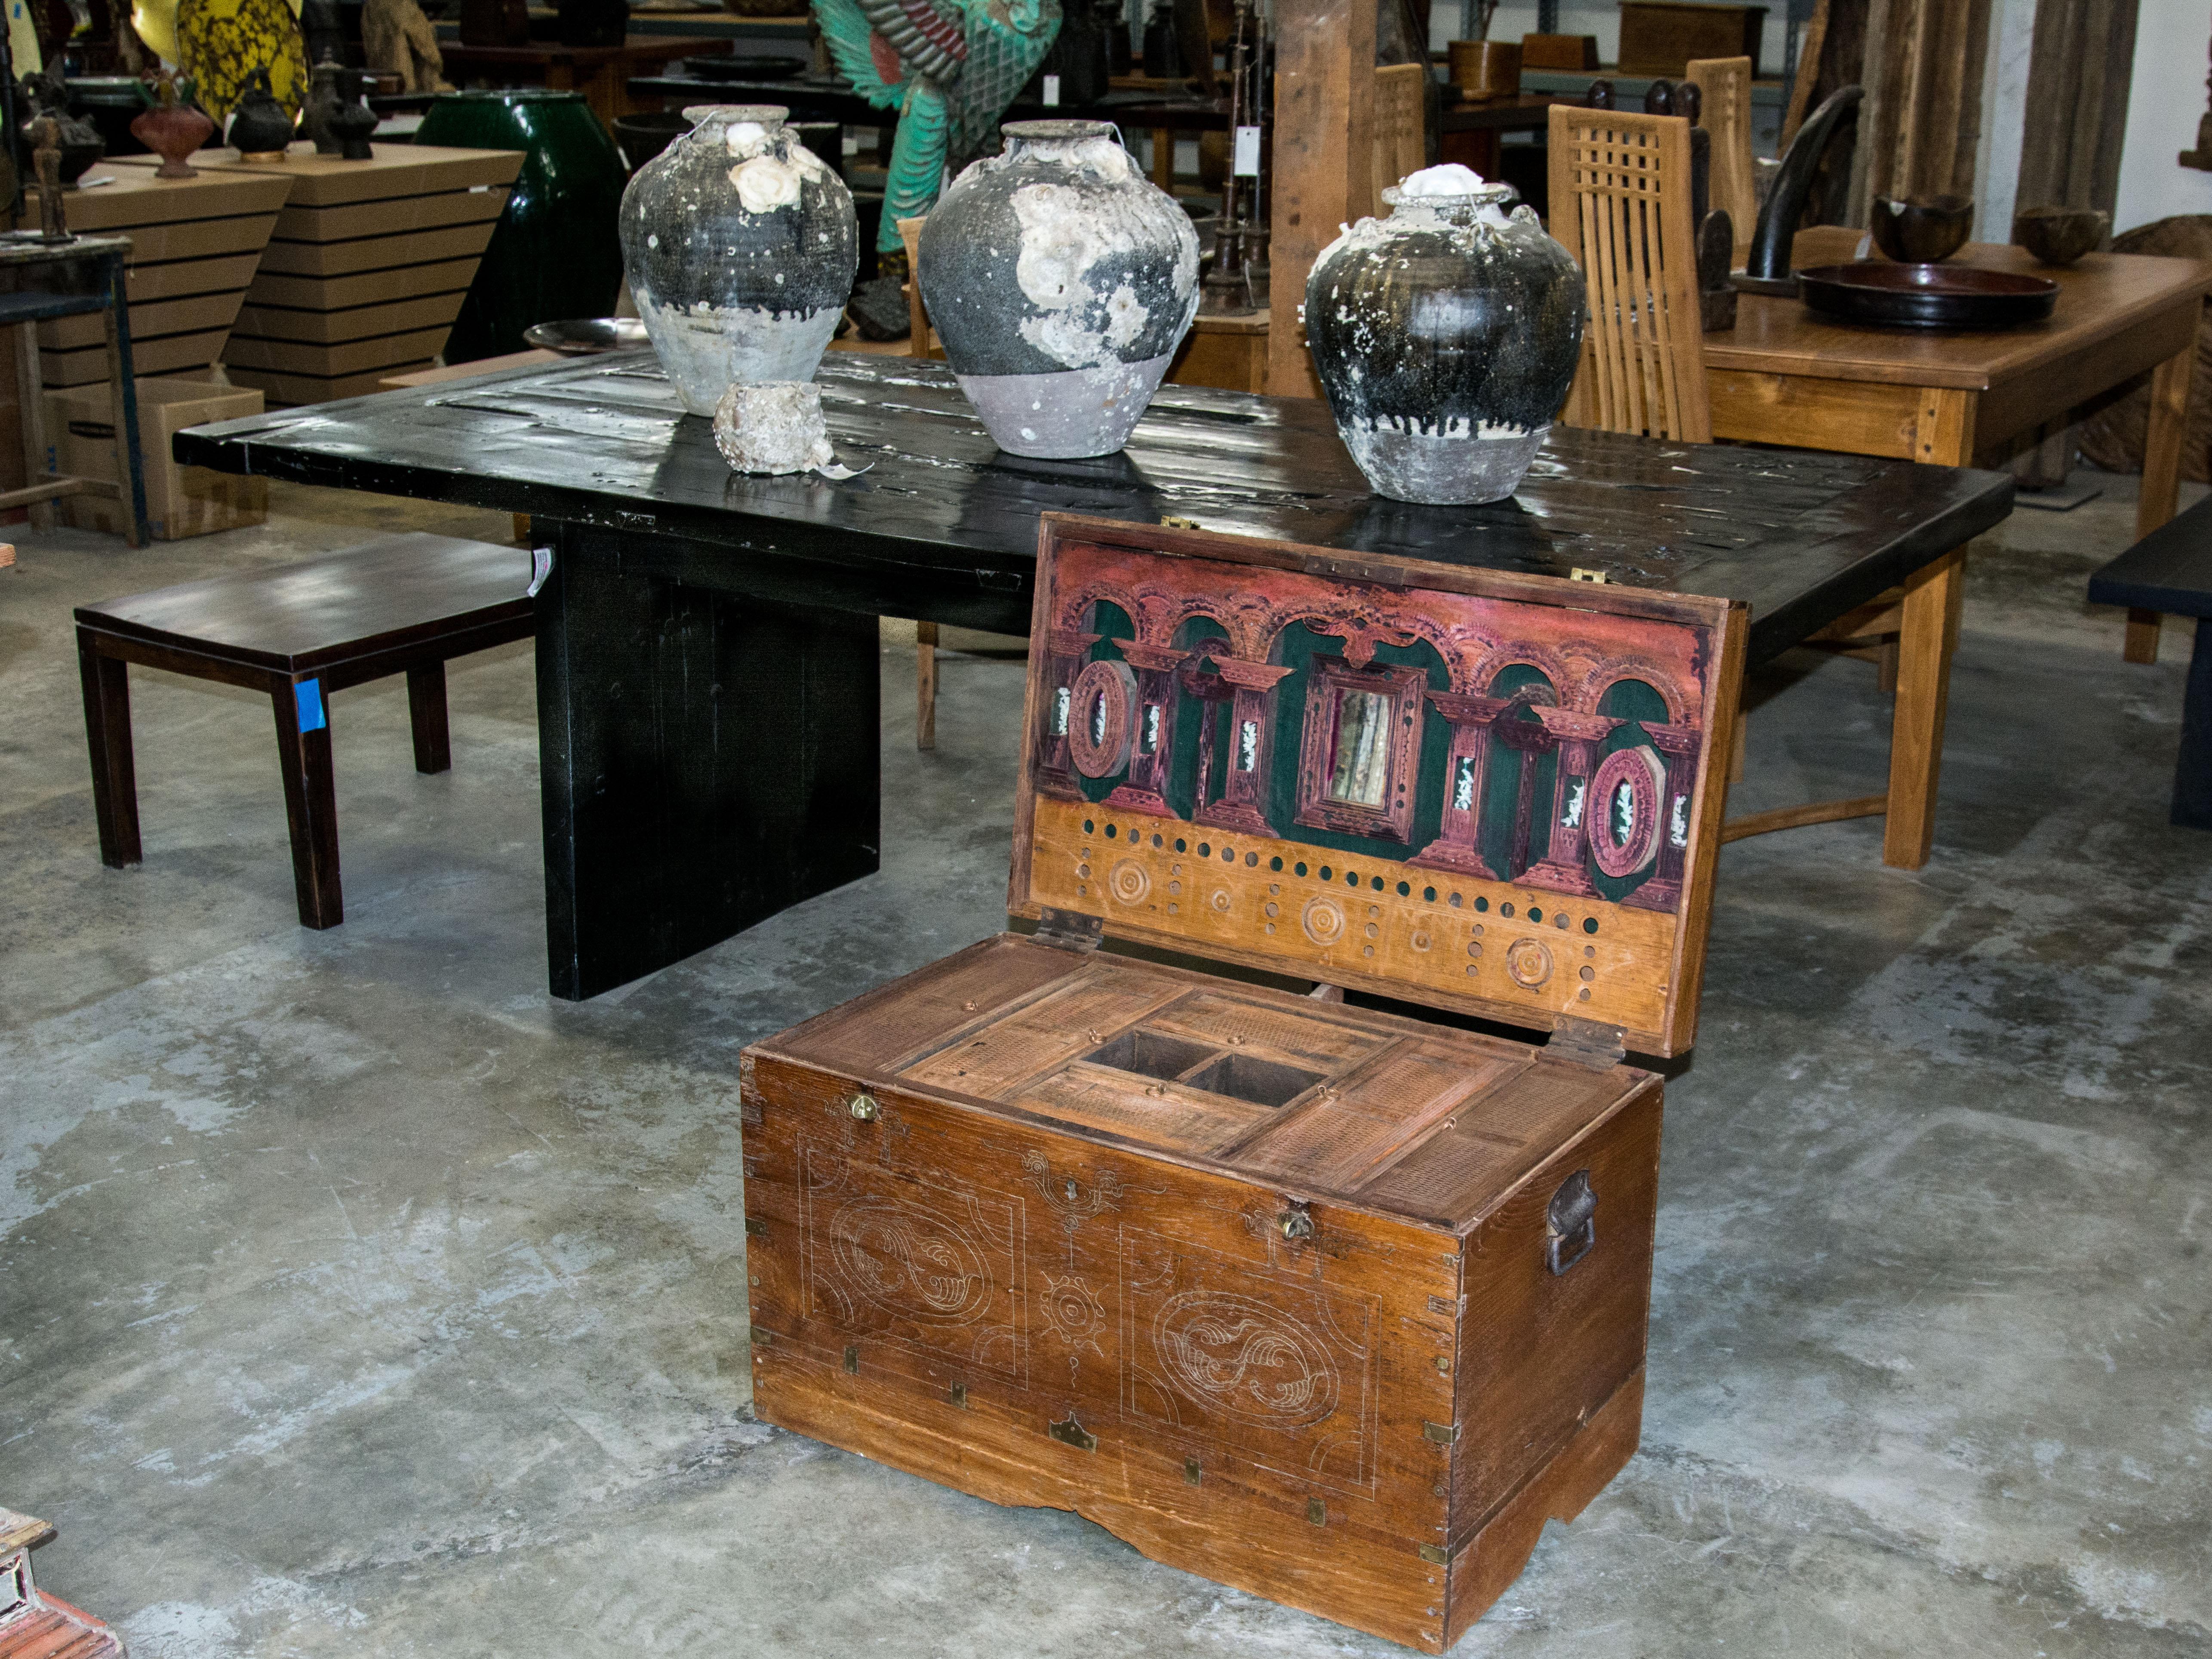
(1071,1433)
(761,1339)
(1070,930)
(756,1229)
(1430,1552)
(1587,1042)
(1443,1433)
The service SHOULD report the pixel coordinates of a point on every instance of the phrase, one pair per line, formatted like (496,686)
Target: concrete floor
(356,1298)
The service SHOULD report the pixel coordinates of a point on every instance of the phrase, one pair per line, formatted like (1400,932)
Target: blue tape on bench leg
(308,694)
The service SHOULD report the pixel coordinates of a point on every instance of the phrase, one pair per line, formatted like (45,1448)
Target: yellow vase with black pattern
(220,43)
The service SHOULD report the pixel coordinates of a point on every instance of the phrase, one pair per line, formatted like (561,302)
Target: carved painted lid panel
(1481,791)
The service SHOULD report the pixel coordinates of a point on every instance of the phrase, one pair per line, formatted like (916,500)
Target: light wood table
(1784,376)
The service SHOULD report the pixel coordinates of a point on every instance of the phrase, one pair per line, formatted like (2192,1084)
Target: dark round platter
(743,68)
(1926,296)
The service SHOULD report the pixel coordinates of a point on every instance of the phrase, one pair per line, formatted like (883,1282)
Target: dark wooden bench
(301,632)
(2170,571)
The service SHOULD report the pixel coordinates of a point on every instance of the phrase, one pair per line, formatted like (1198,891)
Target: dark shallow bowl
(587,337)
(2059,236)
(1926,295)
(642,136)
(1922,232)
(743,68)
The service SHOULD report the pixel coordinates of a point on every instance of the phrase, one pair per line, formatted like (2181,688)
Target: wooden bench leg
(425,712)
(1934,597)
(114,779)
(303,754)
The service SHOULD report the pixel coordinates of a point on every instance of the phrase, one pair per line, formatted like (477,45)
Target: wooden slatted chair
(1620,204)
(1724,88)
(1401,135)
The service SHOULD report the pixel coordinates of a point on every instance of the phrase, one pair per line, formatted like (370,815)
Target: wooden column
(1323,159)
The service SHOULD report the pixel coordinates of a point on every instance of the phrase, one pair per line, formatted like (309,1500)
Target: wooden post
(1323,158)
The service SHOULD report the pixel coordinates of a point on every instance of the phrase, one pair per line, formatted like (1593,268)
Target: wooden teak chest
(1319,1300)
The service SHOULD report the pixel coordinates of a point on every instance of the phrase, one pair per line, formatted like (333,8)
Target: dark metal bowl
(586,337)
(743,68)
(642,136)
(1922,232)
(1926,295)
(2059,236)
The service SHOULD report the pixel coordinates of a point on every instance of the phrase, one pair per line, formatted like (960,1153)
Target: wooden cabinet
(1661,37)
(1320,1300)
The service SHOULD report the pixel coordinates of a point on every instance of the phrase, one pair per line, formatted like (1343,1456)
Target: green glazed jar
(556,254)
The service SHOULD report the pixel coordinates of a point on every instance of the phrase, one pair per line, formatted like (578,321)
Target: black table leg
(2192,773)
(709,758)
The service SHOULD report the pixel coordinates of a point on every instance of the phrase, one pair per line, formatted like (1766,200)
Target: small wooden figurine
(397,39)
(34,1624)
(1333,1304)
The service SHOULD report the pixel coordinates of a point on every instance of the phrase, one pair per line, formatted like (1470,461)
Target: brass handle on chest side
(1296,1223)
(864,1108)
(1570,1222)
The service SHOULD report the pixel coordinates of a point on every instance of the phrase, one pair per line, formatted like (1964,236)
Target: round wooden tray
(1944,296)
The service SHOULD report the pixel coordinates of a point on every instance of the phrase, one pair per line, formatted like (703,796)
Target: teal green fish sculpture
(949,66)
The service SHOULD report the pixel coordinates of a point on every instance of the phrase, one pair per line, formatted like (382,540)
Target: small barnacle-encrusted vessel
(740,246)
(1447,337)
(1061,280)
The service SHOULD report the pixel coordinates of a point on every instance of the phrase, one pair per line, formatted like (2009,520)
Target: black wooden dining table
(708,653)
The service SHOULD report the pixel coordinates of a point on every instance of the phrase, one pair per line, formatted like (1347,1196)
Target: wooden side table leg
(426,713)
(2192,771)
(130,463)
(303,754)
(2161,479)
(31,405)
(925,685)
(1934,597)
(107,732)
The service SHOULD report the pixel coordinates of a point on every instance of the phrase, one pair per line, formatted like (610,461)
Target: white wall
(2163,104)
(2004,95)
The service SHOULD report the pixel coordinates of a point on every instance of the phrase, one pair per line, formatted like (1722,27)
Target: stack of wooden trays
(368,266)
(195,246)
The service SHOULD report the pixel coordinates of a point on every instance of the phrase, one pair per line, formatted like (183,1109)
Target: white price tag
(1247,151)
(1051,92)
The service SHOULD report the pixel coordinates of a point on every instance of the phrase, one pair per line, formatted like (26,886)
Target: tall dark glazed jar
(554,255)
(1447,337)
(740,245)
(1061,281)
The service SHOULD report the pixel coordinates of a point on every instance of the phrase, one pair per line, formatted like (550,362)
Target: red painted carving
(1230,674)
(1331,680)
(1103,718)
(1637,771)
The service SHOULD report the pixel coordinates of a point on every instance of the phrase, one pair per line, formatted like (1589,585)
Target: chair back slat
(1724,89)
(1620,204)
(1401,136)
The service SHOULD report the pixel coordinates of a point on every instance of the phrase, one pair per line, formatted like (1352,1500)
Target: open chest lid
(1476,790)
